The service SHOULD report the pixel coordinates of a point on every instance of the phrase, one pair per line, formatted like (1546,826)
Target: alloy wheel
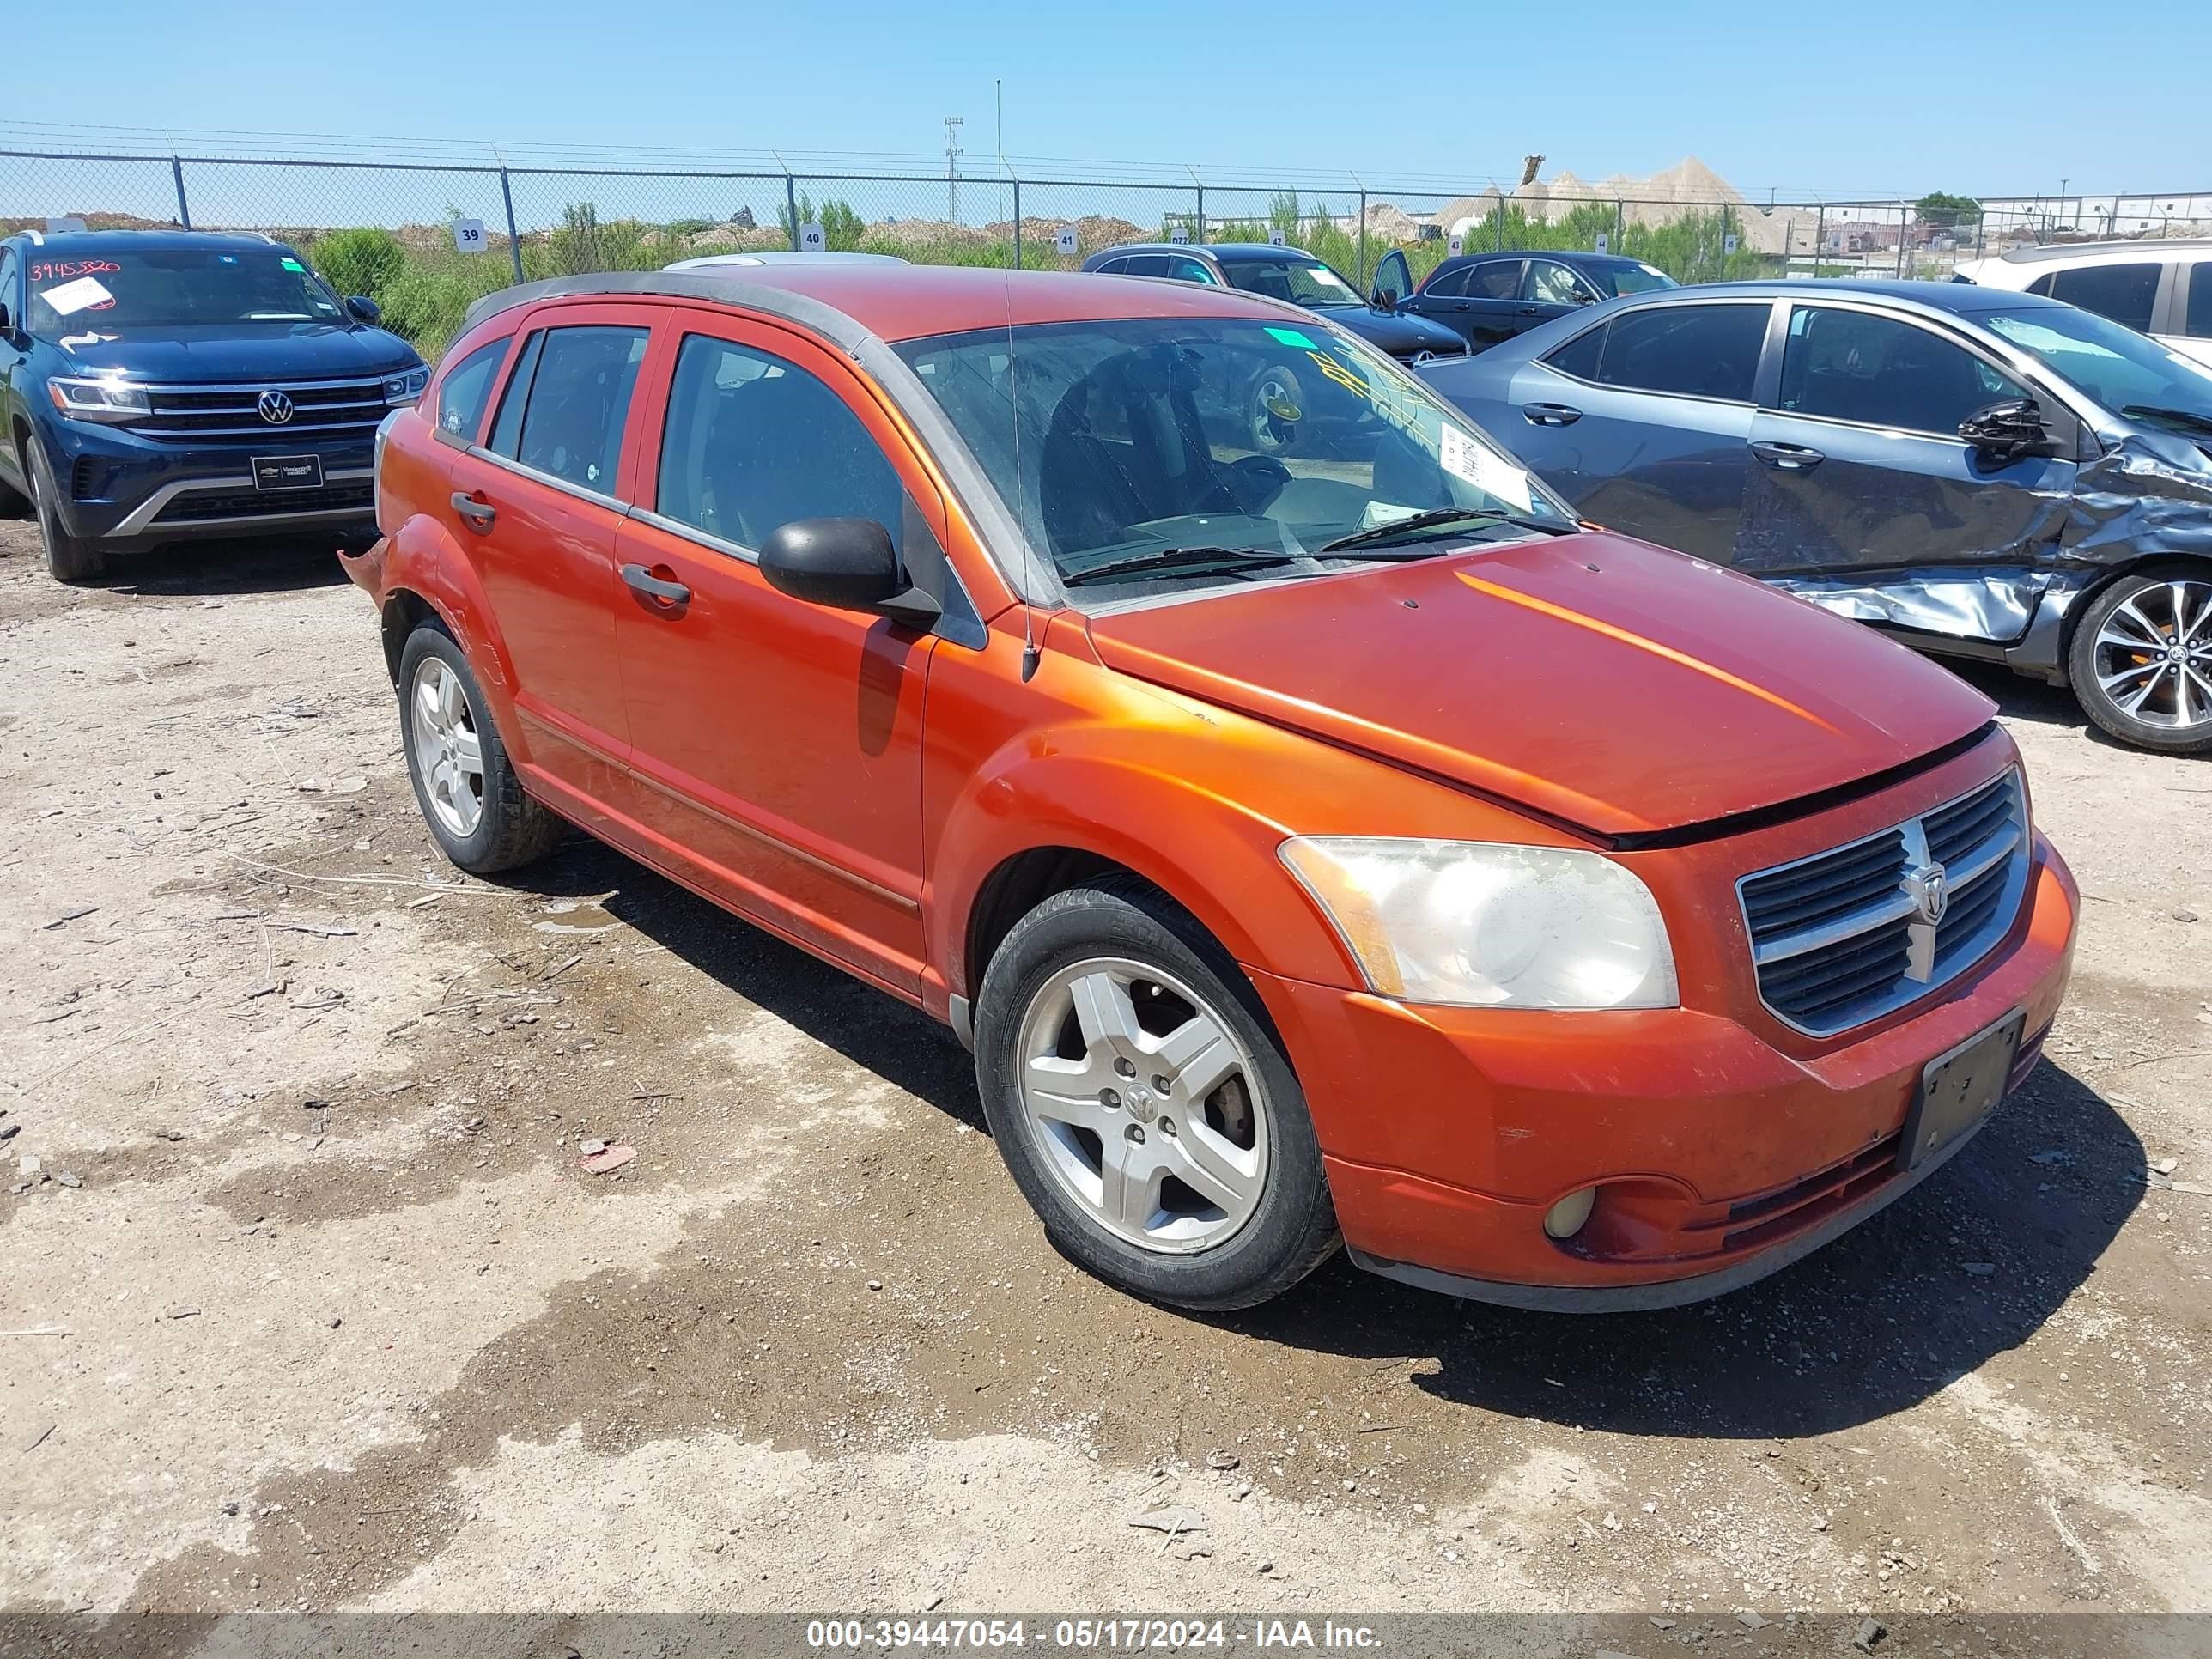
(1143,1104)
(449,747)
(2153,655)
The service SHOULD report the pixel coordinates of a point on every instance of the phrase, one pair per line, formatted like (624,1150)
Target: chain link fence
(425,240)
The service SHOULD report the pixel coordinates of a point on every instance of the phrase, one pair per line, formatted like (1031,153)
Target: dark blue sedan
(1988,474)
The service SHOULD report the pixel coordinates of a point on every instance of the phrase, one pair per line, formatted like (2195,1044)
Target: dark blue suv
(156,386)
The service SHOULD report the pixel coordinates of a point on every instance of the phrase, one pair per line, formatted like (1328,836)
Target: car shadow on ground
(214,569)
(870,1028)
(1878,1321)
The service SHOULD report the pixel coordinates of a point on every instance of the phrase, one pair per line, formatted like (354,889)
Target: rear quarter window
(464,391)
(1579,357)
(2122,292)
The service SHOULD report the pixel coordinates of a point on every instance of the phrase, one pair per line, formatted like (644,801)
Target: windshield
(176,287)
(1306,282)
(2120,368)
(1243,438)
(1634,279)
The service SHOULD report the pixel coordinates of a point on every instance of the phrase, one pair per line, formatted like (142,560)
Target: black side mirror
(2006,430)
(1386,299)
(364,307)
(7,322)
(848,564)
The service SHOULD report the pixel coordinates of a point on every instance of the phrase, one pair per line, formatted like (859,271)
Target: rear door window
(567,421)
(2197,323)
(1184,268)
(1878,371)
(1696,351)
(465,391)
(1580,356)
(1494,279)
(2122,292)
(1145,264)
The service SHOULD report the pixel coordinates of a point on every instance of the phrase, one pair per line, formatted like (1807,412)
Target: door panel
(1860,466)
(777,744)
(1647,435)
(538,523)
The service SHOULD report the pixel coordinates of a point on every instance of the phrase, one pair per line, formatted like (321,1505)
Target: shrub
(359,261)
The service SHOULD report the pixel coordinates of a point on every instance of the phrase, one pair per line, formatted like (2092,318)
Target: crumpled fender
(2146,495)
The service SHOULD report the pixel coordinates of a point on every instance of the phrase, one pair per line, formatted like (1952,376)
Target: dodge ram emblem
(1930,893)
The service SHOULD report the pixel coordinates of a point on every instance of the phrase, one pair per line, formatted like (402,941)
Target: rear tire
(72,559)
(2141,659)
(1209,1194)
(472,799)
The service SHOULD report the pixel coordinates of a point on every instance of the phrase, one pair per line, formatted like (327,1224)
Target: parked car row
(1322,837)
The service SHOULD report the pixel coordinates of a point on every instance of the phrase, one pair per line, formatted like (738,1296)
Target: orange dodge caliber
(1317,834)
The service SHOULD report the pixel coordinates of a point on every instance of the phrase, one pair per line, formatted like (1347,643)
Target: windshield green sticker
(1291,336)
(293,265)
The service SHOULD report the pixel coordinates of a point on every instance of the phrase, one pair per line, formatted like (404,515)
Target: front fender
(1214,855)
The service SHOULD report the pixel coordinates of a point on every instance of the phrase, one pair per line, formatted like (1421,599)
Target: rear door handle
(1791,458)
(665,594)
(1528,311)
(1551,414)
(475,511)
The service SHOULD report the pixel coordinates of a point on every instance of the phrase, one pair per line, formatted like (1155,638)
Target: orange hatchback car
(1333,842)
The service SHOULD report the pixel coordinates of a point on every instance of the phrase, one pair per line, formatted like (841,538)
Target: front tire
(72,559)
(472,799)
(1144,1106)
(2141,661)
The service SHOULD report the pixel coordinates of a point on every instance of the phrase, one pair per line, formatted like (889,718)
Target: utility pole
(953,155)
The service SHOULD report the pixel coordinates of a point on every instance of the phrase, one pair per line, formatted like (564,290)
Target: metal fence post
(1362,239)
(1201,237)
(791,201)
(1904,226)
(1620,224)
(1017,224)
(1819,237)
(514,235)
(183,212)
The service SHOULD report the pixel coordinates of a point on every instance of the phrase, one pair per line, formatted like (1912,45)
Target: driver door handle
(1791,458)
(664,595)
(1551,414)
(475,512)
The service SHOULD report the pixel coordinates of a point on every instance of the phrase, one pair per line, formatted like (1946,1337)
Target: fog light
(1564,1219)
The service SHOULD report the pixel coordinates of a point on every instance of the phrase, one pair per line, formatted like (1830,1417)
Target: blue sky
(1868,98)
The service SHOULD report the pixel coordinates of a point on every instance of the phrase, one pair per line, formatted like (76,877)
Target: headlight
(406,388)
(1482,924)
(106,400)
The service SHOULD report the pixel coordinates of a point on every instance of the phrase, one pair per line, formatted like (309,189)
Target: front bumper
(123,490)
(1449,1132)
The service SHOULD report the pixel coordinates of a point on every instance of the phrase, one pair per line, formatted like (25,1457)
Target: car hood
(1398,332)
(1601,682)
(308,351)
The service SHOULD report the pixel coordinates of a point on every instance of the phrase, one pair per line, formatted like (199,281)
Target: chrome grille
(1843,937)
(331,411)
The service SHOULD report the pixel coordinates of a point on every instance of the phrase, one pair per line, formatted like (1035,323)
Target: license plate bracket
(1959,1088)
(288,472)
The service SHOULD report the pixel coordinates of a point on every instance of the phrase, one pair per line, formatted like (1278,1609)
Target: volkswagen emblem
(274,407)
(1929,890)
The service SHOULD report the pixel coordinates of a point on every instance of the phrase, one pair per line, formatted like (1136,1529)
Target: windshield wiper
(2152,412)
(1178,558)
(1443,515)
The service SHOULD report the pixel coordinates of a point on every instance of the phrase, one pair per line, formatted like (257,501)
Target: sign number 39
(469,236)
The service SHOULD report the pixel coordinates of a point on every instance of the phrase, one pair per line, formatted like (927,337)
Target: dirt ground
(308,1304)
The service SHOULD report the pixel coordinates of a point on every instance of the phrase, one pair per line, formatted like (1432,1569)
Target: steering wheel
(1254,481)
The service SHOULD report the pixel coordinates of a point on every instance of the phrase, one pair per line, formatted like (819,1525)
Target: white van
(2163,289)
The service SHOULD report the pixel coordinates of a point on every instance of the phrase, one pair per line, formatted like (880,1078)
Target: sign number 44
(469,236)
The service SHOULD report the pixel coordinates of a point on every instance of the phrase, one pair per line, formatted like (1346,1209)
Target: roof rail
(38,237)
